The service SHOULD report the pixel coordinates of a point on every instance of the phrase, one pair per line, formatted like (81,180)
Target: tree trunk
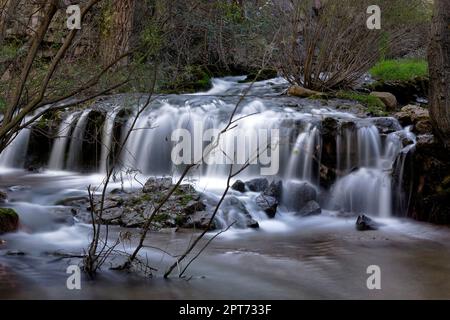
(439,65)
(6,11)
(117,36)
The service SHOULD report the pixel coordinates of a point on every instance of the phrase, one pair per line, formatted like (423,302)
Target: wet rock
(311,208)
(268,204)
(157,185)
(238,185)
(235,211)
(15,253)
(298,194)
(9,220)
(132,220)
(411,114)
(194,206)
(301,92)
(200,220)
(404,138)
(364,223)
(18,188)
(386,125)
(389,100)
(423,127)
(275,189)
(3,196)
(257,185)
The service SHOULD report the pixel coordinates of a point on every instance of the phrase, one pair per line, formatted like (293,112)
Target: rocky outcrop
(132,209)
(428,181)
(416,116)
(9,220)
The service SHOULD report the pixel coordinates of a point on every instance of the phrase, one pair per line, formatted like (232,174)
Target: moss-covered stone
(9,220)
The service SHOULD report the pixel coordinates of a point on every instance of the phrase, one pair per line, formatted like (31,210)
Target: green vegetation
(373,104)
(8,51)
(8,212)
(2,105)
(400,69)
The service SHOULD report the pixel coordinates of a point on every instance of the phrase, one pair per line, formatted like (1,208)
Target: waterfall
(13,156)
(107,140)
(76,141)
(366,190)
(60,144)
(349,161)
(302,156)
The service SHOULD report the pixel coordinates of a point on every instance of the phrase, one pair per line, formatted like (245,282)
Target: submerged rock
(364,223)
(9,220)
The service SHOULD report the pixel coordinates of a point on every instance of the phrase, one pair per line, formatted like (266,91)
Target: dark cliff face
(431,181)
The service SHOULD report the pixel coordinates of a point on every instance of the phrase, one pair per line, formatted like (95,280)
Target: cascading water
(302,156)
(58,153)
(363,160)
(14,154)
(76,141)
(107,140)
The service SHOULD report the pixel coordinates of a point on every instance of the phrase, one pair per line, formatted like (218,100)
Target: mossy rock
(9,220)
(191,79)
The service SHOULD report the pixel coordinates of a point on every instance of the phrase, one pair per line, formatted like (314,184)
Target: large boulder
(297,194)
(389,100)
(257,185)
(268,204)
(275,189)
(9,220)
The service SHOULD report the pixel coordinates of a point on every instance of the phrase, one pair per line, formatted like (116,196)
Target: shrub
(400,69)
